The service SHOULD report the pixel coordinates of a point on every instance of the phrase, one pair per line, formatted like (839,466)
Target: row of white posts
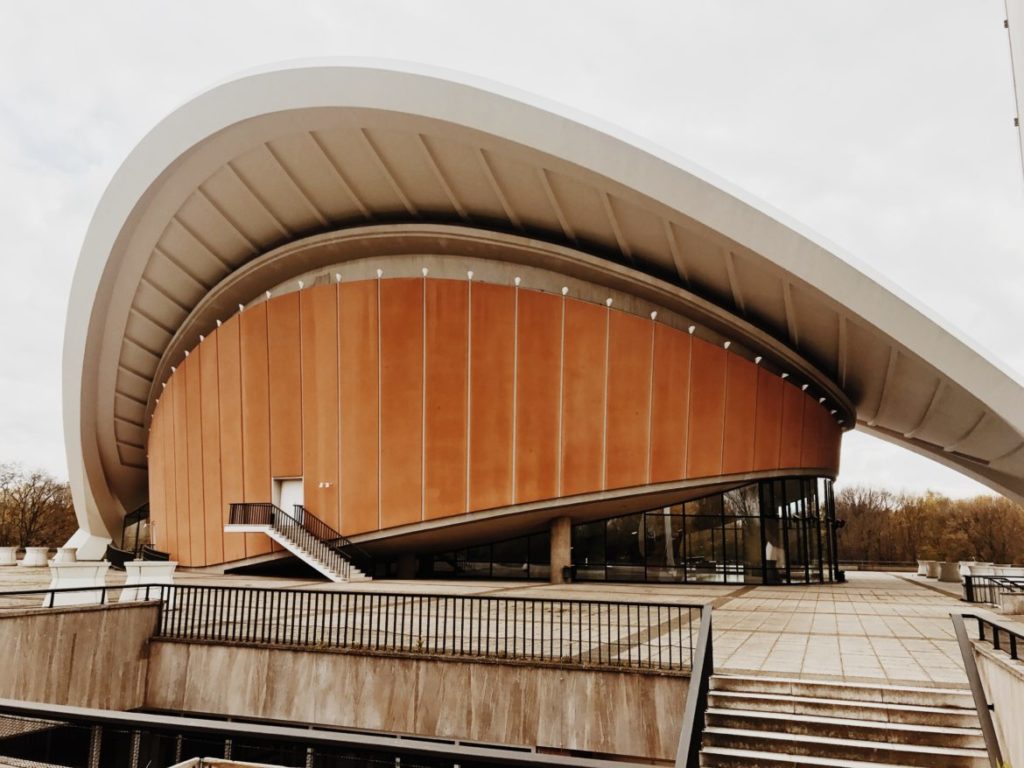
(67,572)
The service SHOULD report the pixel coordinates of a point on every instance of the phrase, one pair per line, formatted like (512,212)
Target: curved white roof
(302,149)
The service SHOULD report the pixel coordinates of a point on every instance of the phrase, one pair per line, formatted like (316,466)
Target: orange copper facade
(404,400)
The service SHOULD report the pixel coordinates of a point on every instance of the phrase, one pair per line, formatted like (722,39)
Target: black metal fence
(987,589)
(51,735)
(566,633)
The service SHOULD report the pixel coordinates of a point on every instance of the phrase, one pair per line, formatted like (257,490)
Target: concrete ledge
(606,712)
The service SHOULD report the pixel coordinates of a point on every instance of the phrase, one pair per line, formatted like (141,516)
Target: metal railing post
(701,669)
(988,730)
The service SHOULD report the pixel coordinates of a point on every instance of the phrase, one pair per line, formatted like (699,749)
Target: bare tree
(35,508)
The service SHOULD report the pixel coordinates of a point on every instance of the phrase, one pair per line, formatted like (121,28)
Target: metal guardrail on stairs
(307,532)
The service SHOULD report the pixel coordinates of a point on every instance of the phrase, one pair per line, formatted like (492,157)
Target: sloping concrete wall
(605,712)
(1003,680)
(82,656)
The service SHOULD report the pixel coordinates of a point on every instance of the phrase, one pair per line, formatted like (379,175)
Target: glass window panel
(588,544)
(511,559)
(664,535)
(741,502)
(702,548)
(709,505)
(540,548)
(626,540)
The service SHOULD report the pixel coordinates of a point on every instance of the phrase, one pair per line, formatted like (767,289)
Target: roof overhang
(338,150)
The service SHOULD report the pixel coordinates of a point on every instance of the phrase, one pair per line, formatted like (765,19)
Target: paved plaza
(877,627)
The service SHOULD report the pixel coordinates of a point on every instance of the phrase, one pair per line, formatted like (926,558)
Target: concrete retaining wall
(81,656)
(605,712)
(1003,681)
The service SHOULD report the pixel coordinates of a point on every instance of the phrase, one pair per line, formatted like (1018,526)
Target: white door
(289,494)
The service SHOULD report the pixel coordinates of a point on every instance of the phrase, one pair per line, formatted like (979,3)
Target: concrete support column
(561,547)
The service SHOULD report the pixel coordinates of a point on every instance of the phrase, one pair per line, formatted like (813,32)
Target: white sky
(885,125)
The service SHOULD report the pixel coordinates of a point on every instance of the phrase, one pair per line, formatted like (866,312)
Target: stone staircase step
(909,714)
(952,698)
(721,757)
(846,728)
(805,745)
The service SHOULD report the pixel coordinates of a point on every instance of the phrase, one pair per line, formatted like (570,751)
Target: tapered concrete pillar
(561,548)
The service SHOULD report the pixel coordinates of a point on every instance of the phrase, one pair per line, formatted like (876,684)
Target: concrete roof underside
(294,152)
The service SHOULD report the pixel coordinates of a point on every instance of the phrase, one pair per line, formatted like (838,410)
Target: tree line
(884,526)
(35,508)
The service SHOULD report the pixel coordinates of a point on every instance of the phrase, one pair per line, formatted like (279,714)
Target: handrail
(540,631)
(984,709)
(175,738)
(981,588)
(340,543)
(703,667)
(313,535)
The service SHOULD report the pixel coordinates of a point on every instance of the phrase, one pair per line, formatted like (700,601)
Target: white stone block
(8,555)
(65,555)
(35,557)
(949,572)
(159,572)
(933,569)
(72,575)
(922,567)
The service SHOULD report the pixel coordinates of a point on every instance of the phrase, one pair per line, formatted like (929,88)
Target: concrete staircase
(304,535)
(329,564)
(775,722)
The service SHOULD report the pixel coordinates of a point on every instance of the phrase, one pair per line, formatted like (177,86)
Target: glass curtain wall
(770,532)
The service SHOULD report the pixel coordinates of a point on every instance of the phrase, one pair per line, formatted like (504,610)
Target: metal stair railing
(337,542)
(306,531)
(985,588)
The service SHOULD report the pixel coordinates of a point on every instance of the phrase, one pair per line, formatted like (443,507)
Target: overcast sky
(885,125)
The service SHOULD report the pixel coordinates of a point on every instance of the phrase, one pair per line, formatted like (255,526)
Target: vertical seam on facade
(515,386)
(423,404)
(561,386)
(469,385)
(270,420)
(782,423)
(379,363)
(650,403)
(220,464)
(687,433)
(604,405)
(725,411)
(339,440)
(302,431)
(241,421)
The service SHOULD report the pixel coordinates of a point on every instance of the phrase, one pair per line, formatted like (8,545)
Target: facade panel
(445,399)
(707,410)
(182,493)
(627,438)
(215,514)
(740,416)
(768,420)
(360,406)
(285,379)
(401,391)
(320,402)
(492,387)
(792,426)
(229,388)
(670,403)
(255,416)
(194,422)
(584,380)
(539,333)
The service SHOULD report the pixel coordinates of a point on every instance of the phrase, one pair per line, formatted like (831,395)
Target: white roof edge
(536,122)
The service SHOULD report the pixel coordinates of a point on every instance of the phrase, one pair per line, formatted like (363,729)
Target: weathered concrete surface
(82,656)
(1003,680)
(607,712)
